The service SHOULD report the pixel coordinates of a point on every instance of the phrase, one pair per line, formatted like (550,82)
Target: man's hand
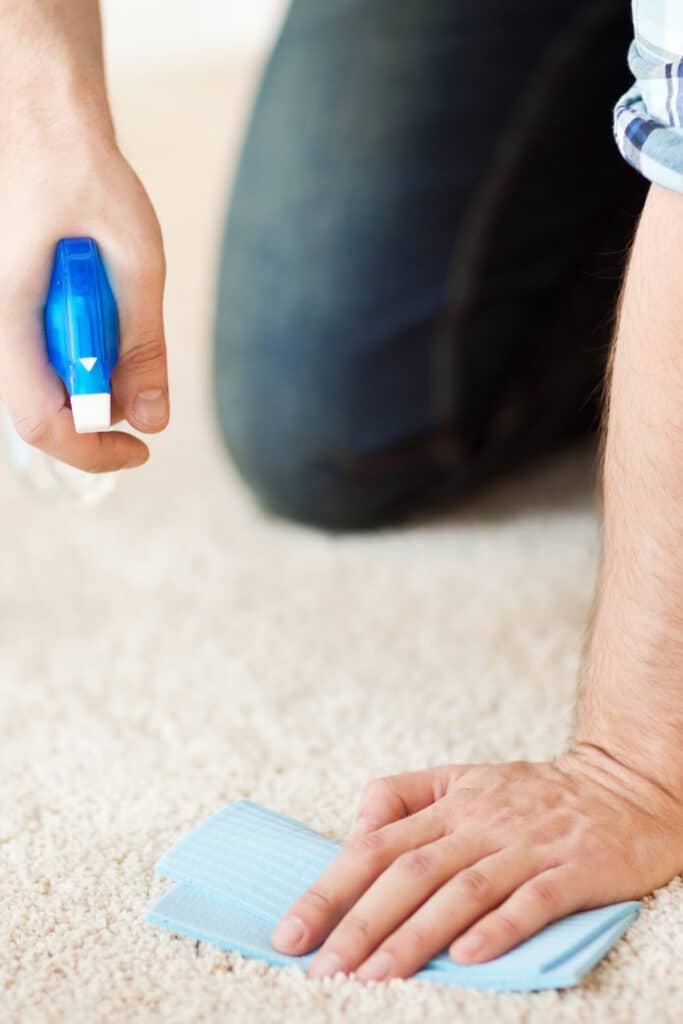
(482,857)
(63,176)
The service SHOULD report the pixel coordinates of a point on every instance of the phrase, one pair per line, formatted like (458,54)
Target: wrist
(605,768)
(649,759)
(65,103)
(623,716)
(52,66)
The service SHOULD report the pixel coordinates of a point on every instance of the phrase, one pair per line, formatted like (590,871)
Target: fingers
(362,860)
(93,453)
(36,401)
(140,380)
(412,878)
(396,796)
(463,899)
(544,898)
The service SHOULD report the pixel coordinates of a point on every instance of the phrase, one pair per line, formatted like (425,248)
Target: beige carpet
(173,650)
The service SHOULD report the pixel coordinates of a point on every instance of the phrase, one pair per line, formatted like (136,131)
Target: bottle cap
(91,413)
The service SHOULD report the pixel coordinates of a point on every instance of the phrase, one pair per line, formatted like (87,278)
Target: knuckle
(414,935)
(544,892)
(145,353)
(33,431)
(475,885)
(357,924)
(374,789)
(368,846)
(316,900)
(504,925)
(416,863)
(463,799)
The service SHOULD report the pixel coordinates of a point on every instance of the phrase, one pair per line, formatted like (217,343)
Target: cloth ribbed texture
(242,868)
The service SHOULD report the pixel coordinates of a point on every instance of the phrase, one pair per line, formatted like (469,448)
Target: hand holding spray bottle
(82,337)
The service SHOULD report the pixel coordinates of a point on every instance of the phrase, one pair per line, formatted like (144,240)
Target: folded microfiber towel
(240,870)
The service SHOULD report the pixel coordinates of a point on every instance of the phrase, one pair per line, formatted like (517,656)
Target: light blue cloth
(242,868)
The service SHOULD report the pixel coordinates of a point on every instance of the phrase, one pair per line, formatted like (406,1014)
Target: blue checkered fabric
(648,119)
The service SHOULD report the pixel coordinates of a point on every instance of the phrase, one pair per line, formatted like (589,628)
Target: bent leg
(412,295)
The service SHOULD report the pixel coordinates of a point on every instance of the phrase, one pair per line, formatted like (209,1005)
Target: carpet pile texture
(173,650)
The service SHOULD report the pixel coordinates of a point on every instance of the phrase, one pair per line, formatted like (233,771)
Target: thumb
(389,799)
(140,380)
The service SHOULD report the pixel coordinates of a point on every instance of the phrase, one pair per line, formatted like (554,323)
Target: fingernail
(289,932)
(151,407)
(469,945)
(377,967)
(326,966)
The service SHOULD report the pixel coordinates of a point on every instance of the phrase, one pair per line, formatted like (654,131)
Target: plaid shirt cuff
(648,119)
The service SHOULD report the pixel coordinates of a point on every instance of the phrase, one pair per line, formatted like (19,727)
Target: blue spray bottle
(82,337)
(82,331)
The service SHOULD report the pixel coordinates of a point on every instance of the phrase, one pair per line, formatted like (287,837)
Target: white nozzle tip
(91,412)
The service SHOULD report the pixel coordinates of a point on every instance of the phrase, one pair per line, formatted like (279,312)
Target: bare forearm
(62,175)
(634,682)
(51,66)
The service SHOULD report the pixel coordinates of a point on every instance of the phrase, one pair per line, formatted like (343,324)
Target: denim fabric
(423,250)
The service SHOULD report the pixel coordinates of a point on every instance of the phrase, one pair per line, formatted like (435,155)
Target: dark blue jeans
(423,250)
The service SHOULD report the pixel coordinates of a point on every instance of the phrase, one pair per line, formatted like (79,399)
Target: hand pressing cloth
(238,872)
